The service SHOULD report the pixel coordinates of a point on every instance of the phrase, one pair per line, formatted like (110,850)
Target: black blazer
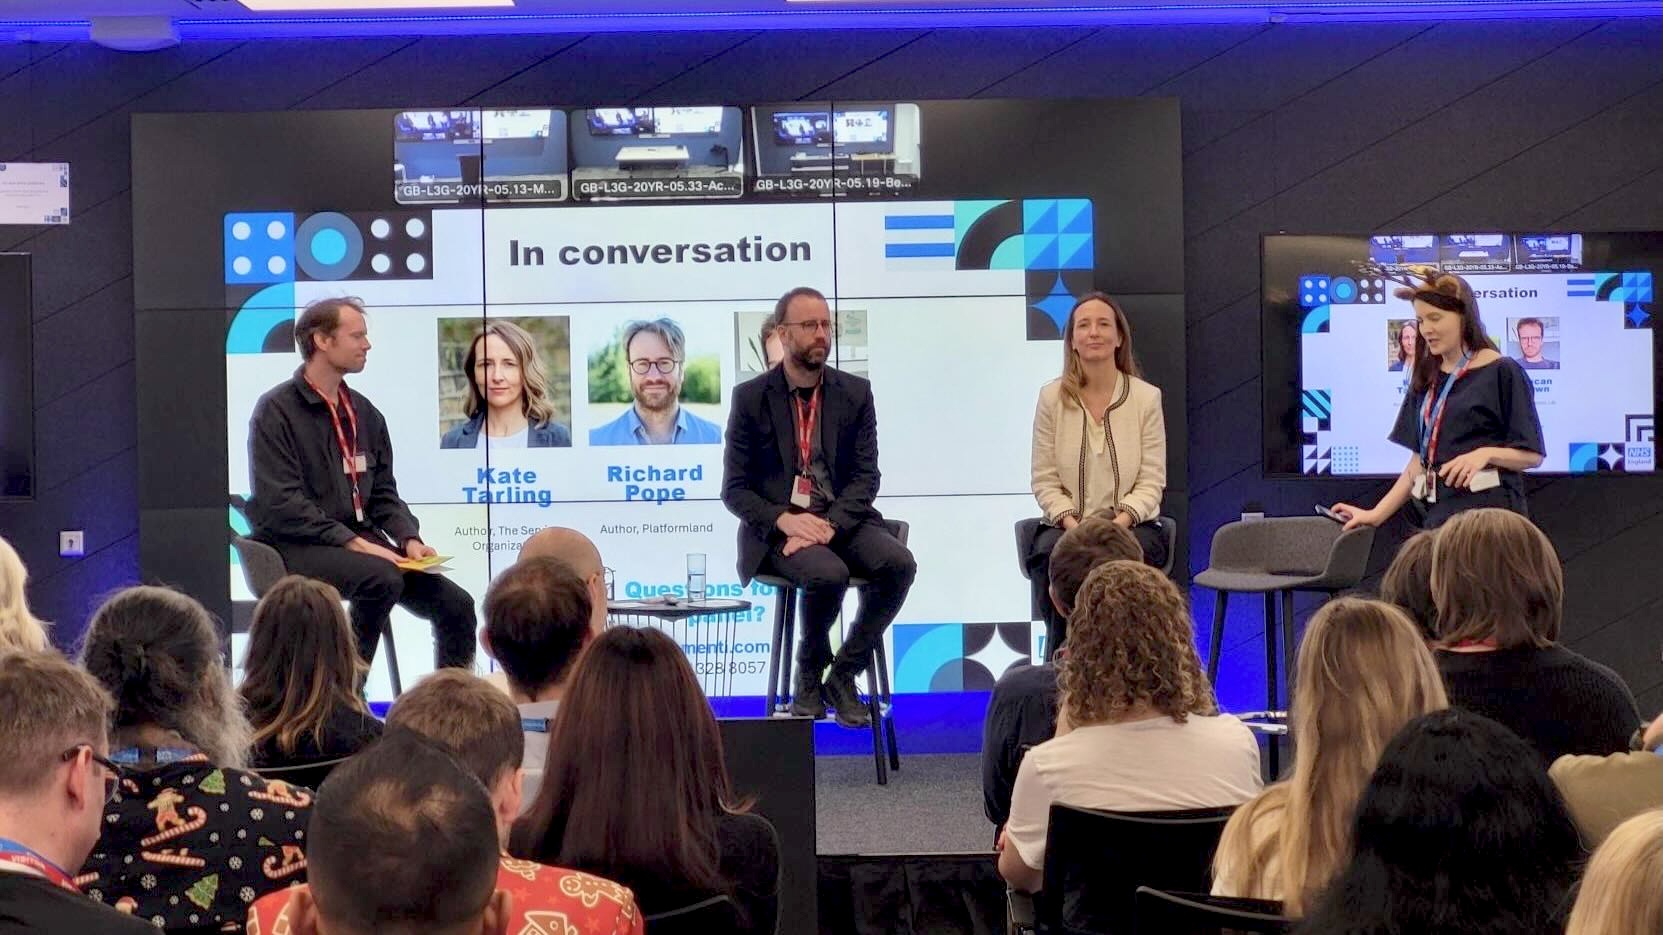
(760,460)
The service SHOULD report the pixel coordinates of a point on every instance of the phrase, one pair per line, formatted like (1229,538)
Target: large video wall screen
(551,233)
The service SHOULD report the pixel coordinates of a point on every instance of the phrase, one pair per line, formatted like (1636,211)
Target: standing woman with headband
(1099,446)
(1469,418)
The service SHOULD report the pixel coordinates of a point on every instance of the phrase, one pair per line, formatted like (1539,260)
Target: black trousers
(822,573)
(374,585)
(1149,535)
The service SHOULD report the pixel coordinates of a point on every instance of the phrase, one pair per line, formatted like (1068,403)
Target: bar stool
(782,655)
(1277,556)
(263,566)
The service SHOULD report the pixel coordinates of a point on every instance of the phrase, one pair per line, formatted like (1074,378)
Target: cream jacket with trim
(1139,433)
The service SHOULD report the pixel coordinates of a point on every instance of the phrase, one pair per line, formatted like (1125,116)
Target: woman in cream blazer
(1099,445)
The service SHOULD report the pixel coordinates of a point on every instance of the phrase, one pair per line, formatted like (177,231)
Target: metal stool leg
(878,759)
(1216,638)
(1274,746)
(788,646)
(881,661)
(773,694)
(1288,650)
(392,657)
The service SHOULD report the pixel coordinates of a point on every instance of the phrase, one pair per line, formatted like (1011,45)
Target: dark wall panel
(1343,127)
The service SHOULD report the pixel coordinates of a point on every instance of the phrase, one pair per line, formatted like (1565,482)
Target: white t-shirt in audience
(1150,765)
(536,718)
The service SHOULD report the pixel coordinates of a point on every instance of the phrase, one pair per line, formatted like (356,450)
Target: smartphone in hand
(1324,511)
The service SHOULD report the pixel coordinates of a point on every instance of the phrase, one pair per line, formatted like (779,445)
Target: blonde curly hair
(1131,646)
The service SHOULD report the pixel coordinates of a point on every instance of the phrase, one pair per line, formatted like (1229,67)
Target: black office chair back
(1096,860)
(310,775)
(1163,913)
(716,914)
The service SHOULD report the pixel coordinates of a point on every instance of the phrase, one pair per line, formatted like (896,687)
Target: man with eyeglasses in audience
(655,353)
(801,472)
(55,779)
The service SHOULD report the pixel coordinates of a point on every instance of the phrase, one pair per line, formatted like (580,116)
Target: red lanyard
(349,454)
(1430,452)
(35,865)
(806,421)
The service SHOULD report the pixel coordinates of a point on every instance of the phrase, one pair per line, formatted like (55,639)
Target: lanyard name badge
(802,488)
(352,463)
(29,861)
(1431,425)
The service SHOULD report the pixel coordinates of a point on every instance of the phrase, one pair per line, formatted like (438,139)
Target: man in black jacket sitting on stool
(801,472)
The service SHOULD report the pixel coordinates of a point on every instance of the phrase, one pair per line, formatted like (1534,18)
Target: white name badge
(802,492)
(1485,480)
(357,465)
(1418,489)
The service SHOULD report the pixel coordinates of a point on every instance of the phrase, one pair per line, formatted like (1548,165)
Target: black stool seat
(782,657)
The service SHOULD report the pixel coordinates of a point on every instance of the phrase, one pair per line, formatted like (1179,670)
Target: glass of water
(695,576)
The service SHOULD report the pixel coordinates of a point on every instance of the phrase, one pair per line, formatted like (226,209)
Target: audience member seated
(54,780)
(190,838)
(1363,671)
(1622,892)
(1604,791)
(539,614)
(637,791)
(402,842)
(1023,710)
(1137,730)
(1499,589)
(18,628)
(474,722)
(1459,831)
(1408,582)
(300,678)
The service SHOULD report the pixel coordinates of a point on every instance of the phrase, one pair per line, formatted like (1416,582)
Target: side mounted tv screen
(516,124)
(17,425)
(1577,310)
(803,128)
(620,121)
(860,127)
(430,126)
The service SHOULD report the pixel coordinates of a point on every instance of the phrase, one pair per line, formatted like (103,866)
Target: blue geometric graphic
(1313,290)
(330,246)
(926,657)
(259,247)
(265,311)
(1316,321)
(1636,315)
(1319,405)
(1584,458)
(1343,290)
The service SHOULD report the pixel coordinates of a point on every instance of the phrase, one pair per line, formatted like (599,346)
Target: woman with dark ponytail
(1469,418)
(190,838)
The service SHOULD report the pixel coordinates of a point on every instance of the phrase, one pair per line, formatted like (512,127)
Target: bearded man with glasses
(656,355)
(801,473)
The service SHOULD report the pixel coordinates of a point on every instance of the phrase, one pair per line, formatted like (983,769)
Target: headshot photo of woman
(511,399)
(1403,351)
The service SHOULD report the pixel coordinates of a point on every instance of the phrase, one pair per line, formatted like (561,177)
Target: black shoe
(845,700)
(808,700)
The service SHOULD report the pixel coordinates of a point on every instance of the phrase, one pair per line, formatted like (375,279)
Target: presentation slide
(1582,330)
(597,316)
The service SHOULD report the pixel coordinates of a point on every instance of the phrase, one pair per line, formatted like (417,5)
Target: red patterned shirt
(546,901)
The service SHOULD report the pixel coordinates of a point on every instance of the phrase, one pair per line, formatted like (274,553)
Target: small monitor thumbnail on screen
(620,121)
(427,126)
(802,128)
(516,124)
(854,127)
